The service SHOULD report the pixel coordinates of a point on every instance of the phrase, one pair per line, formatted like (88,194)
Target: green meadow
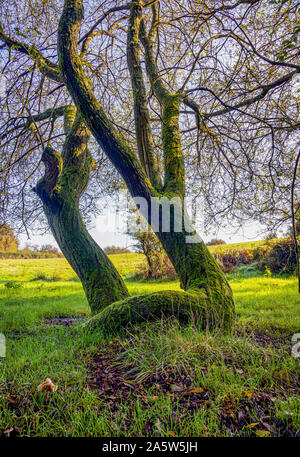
(156,380)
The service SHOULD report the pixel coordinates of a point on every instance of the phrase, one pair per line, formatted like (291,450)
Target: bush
(109,250)
(13,285)
(277,256)
(229,260)
(40,277)
(215,242)
(280,258)
(27,254)
(158,264)
(161,267)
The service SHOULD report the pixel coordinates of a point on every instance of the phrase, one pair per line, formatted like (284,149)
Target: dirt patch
(263,339)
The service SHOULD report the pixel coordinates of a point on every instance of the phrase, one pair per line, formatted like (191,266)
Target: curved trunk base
(101,281)
(186,307)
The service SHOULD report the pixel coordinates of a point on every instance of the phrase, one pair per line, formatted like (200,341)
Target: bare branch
(44,65)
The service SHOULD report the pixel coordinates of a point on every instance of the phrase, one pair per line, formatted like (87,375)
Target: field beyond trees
(161,379)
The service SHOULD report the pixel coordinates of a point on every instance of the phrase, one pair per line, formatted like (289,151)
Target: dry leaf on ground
(47,386)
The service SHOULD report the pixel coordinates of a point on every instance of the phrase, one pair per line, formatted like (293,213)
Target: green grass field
(158,380)
(244,245)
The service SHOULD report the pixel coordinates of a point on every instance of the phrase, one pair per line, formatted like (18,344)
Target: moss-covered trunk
(199,272)
(101,282)
(66,178)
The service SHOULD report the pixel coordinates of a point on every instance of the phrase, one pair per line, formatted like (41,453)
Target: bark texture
(65,180)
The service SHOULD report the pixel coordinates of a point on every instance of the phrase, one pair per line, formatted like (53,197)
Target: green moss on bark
(184,306)
(66,177)
(173,157)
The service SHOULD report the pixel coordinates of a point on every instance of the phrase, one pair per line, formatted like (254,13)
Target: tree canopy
(182,97)
(8,240)
(235,63)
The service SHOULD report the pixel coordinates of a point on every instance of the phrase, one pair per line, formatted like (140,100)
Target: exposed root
(184,306)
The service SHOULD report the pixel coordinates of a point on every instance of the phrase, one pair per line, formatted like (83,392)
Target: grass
(245,384)
(58,269)
(245,245)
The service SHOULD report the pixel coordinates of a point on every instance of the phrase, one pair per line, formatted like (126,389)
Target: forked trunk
(195,266)
(199,272)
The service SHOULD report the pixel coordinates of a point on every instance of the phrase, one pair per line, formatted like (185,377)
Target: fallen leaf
(11,431)
(47,386)
(240,371)
(147,426)
(171,433)
(8,432)
(262,433)
(269,427)
(197,390)
(158,425)
(241,415)
(254,424)
(248,393)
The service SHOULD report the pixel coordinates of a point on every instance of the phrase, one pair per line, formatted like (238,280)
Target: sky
(111,226)
(115,238)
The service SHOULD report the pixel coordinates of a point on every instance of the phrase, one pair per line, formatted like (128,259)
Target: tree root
(184,306)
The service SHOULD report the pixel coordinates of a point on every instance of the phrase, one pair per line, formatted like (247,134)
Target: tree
(8,240)
(195,266)
(214,242)
(180,88)
(110,250)
(48,248)
(158,263)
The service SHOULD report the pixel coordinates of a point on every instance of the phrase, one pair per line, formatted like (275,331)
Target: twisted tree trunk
(65,180)
(197,270)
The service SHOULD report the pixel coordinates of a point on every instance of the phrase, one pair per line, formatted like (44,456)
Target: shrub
(281,257)
(228,260)
(13,285)
(109,250)
(27,254)
(215,242)
(158,263)
(161,268)
(40,277)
